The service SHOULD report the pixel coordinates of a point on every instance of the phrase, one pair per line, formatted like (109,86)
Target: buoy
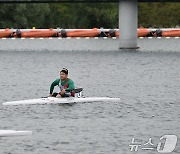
(80,33)
(5,33)
(141,32)
(36,33)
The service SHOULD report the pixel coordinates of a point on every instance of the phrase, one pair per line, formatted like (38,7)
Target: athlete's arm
(55,83)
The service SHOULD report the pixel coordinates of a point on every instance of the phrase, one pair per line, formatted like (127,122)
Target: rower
(65,84)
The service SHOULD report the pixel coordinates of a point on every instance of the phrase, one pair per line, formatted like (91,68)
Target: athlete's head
(64,74)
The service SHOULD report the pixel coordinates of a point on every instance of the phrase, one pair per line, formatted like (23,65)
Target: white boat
(6,133)
(54,100)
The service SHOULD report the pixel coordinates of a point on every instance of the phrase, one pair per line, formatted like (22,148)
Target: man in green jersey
(65,84)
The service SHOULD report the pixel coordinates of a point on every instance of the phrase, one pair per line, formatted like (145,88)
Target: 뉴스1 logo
(166,144)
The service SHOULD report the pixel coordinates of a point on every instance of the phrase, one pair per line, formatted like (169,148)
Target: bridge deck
(77,1)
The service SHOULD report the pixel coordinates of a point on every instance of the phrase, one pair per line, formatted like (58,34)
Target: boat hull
(54,100)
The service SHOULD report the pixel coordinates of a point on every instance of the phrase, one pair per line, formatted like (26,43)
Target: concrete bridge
(77,1)
(128,12)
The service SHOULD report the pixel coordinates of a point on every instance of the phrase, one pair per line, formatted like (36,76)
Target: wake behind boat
(54,100)
(8,133)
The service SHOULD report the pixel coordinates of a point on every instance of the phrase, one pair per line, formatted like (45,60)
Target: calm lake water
(147,81)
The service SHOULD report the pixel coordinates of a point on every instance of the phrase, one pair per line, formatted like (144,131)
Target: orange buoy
(5,33)
(141,32)
(171,33)
(167,33)
(80,33)
(36,33)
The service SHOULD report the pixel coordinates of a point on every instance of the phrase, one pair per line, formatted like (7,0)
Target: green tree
(85,15)
(23,15)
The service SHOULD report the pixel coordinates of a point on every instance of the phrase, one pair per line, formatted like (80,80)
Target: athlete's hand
(50,95)
(62,92)
(58,96)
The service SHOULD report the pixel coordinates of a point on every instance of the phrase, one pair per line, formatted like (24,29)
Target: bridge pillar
(128,24)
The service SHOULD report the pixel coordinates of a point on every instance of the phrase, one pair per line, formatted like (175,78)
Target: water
(147,82)
(88,44)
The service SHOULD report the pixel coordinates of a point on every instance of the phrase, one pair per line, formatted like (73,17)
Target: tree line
(85,15)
